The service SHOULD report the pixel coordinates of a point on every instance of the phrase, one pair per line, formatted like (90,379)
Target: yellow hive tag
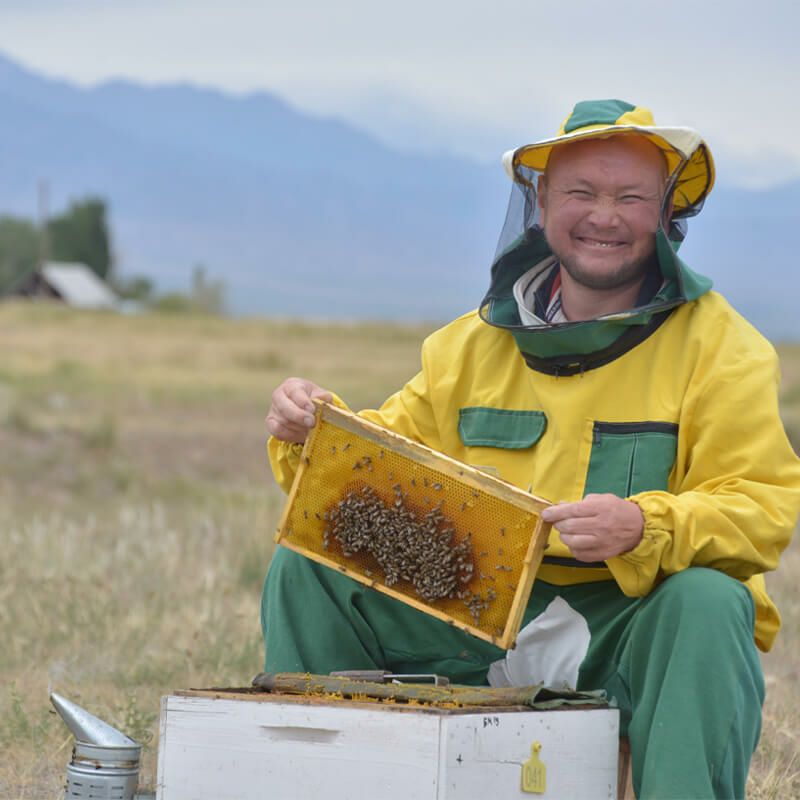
(534,772)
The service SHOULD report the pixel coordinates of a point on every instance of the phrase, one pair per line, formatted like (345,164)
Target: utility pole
(43,196)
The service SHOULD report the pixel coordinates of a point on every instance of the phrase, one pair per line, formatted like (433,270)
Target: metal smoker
(105,762)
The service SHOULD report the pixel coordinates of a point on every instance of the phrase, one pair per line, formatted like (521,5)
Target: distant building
(74,284)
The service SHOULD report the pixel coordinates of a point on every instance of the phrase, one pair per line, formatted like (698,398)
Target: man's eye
(581,194)
(632,198)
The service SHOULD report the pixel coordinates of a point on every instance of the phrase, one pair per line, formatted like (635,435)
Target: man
(603,372)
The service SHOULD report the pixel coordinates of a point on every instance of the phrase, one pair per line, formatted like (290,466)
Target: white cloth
(525,288)
(550,650)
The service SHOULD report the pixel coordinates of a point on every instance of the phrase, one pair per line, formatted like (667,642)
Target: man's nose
(604,211)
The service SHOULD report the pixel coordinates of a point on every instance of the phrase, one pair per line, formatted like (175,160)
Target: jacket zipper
(632,427)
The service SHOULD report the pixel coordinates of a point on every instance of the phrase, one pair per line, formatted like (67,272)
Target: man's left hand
(598,527)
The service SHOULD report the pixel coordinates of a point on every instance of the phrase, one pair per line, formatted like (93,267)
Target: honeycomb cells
(485,537)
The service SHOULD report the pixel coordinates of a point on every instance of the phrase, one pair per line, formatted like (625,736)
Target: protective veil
(565,348)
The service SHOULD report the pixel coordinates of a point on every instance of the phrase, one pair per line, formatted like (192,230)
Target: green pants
(680,663)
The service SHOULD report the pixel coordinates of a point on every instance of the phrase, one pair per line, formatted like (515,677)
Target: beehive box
(428,530)
(223,745)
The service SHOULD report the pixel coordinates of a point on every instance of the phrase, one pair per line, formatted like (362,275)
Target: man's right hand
(291,415)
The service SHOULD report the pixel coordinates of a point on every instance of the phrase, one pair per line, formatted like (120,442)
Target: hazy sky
(477,77)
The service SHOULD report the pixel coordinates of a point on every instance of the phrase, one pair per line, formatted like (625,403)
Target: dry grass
(136,510)
(136,507)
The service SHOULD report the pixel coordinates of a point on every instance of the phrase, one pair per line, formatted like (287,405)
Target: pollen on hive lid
(358,485)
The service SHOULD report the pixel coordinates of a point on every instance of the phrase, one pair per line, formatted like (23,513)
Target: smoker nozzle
(86,727)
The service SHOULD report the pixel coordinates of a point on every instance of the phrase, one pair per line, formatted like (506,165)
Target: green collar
(569,347)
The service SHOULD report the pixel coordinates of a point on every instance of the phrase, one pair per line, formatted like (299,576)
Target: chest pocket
(631,457)
(480,426)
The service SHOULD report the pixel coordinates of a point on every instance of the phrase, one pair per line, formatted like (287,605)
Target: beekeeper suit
(604,373)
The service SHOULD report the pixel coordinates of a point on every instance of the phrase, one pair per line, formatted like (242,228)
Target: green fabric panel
(628,463)
(583,337)
(654,656)
(317,620)
(577,339)
(610,466)
(503,312)
(499,427)
(691,284)
(518,258)
(653,458)
(499,307)
(596,112)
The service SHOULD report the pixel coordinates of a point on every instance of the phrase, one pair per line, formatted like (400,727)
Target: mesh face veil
(524,263)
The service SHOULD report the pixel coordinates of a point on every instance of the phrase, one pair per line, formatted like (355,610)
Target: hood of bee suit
(566,348)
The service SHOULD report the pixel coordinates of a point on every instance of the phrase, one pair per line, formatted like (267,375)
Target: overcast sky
(478,77)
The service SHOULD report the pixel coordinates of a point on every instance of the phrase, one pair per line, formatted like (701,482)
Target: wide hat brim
(689,160)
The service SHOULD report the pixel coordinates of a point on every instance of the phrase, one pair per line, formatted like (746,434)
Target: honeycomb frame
(344,453)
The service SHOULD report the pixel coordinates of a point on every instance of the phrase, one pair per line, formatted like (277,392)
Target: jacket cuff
(637,571)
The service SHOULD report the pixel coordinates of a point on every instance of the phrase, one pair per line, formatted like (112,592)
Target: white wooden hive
(223,746)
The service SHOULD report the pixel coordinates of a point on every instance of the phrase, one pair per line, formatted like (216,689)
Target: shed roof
(79,285)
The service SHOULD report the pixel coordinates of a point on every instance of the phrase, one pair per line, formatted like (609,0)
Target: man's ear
(541,194)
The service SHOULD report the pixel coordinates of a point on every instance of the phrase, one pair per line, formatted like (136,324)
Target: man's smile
(589,241)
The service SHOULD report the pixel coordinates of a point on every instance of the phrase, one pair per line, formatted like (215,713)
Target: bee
(346,447)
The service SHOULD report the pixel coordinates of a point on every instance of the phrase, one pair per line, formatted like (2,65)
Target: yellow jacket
(685,424)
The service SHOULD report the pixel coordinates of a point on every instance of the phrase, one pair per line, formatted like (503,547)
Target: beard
(627,274)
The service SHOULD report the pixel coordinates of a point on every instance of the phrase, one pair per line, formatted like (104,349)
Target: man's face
(600,202)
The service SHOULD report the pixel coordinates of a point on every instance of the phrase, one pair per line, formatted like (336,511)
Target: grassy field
(136,511)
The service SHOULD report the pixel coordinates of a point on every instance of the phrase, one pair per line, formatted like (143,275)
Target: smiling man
(602,371)
(601,201)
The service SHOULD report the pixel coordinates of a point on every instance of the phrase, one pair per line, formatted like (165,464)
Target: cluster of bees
(418,549)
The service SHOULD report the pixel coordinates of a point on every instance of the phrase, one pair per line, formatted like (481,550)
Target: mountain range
(303,215)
